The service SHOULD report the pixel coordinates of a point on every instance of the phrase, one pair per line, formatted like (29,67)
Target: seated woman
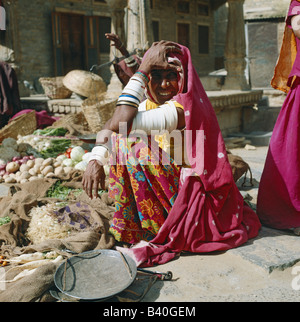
(169,202)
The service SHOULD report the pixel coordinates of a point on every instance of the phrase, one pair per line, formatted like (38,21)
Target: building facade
(51,37)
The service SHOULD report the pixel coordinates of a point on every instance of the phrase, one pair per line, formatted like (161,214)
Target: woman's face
(163,85)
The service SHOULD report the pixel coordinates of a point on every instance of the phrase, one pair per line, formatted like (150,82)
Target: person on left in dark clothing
(126,68)
(10,103)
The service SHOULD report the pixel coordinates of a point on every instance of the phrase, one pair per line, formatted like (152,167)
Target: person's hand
(156,57)
(115,41)
(94,176)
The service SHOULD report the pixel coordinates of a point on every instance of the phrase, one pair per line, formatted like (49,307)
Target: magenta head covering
(205,145)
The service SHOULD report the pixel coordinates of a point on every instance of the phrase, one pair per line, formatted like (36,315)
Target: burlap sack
(17,205)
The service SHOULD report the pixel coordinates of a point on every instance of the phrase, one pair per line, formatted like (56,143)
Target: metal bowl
(95,275)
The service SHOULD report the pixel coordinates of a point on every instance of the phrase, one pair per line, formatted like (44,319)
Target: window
(152,4)
(155,27)
(104,27)
(183,7)
(203,39)
(203,9)
(183,34)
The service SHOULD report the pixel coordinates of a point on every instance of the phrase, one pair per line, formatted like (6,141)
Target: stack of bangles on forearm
(131,95)
(134,91)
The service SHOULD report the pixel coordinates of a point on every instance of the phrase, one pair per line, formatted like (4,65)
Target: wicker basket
(98,111)
(24,124)
(84,83)
(54,87)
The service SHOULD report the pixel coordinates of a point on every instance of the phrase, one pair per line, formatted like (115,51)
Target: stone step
(257,138)
(271,250)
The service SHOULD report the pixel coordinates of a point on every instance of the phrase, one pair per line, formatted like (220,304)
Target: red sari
(278,202)
(209,213)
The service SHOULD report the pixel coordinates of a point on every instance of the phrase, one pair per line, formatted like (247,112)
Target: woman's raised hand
(116,41)
(156,56)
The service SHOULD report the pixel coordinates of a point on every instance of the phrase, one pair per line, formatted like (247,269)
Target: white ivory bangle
(164,117)
(100,153)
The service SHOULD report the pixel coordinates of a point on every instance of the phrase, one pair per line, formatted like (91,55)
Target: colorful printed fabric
(144,191)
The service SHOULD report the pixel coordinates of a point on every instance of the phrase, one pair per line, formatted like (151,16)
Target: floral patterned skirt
(144,185)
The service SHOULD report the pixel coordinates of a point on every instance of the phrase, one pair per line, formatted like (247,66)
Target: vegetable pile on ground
(45,153)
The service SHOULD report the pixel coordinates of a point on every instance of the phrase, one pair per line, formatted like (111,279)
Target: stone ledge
(230,99)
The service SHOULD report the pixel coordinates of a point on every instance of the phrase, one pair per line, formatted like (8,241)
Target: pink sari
(209,213)
(278,202)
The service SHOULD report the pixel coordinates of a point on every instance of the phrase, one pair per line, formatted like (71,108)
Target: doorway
(72,36)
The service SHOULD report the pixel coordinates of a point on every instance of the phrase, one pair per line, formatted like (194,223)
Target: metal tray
(95,275)
(89,138)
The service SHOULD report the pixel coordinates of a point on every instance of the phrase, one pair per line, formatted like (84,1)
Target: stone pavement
(264,269)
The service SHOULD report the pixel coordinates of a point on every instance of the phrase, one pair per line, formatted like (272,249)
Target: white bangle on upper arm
(295,22)
(164,117)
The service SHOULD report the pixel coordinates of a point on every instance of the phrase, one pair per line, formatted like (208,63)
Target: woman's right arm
(94,174)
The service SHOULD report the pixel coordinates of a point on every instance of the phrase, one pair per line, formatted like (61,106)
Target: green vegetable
(4,220)
(60,131)
(57,146)
(59,191)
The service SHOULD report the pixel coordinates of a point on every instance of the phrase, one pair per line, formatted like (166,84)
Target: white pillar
(117,26)
(139,25)
(235,49)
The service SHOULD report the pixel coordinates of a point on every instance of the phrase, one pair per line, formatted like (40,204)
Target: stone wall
(29,31)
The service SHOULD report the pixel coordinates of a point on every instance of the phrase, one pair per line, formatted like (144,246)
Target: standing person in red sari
(278,203)
(174,206)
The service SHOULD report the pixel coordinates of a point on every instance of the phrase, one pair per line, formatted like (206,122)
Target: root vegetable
(10,180)
(50,174)
(57,164)
(24,168)
(12,167)
(25,175)
(61,157)
(32,172)
(25,258)
(30,163)
(23,180)
(33,178)
(47,170)
(24,273)
(39,161)
(68,169)
(68,163)
(59,171)
(47,162)
(37,168)
(37,263)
